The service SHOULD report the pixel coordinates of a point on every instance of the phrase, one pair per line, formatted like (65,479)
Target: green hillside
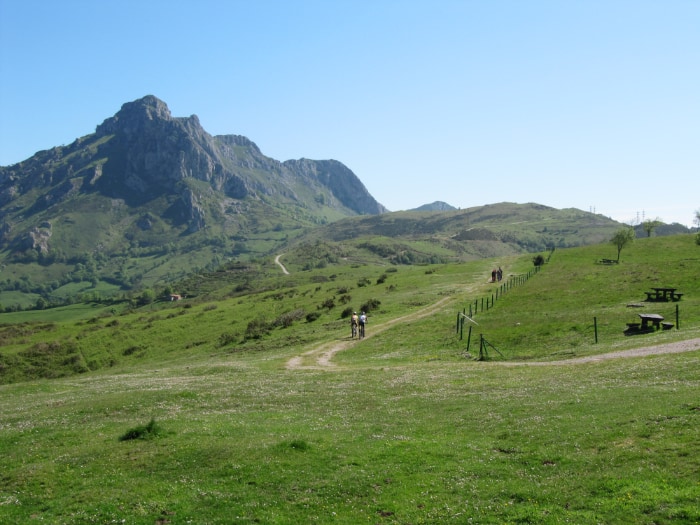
(418,237)
(263,410)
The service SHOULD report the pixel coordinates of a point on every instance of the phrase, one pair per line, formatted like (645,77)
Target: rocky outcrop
(152,151)
(343,183)
(195,211)
(38,238)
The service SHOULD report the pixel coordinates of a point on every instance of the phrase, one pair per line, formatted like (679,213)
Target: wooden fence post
(595,329)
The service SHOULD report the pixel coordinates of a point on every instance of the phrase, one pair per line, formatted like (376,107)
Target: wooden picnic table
(663,294)
(655,319)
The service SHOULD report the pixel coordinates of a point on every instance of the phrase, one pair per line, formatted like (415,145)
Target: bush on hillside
(371,304)
(287,319)
(363,282)
(257,328)
(328,304)
(312,316)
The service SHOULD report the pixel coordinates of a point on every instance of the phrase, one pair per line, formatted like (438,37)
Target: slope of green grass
(404,428)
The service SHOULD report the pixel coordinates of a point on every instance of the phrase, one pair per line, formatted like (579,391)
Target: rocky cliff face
(342,183)
(143,153)
(154,151)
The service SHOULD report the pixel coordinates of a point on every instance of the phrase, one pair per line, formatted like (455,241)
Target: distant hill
(435,206)
(412,237)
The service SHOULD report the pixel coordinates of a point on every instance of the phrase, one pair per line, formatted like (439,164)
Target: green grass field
(404,427)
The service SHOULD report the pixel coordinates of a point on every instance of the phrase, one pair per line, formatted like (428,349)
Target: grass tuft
(149,431)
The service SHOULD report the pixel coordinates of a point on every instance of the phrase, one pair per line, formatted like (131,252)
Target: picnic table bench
(663,294)
(649,322)
(654,319)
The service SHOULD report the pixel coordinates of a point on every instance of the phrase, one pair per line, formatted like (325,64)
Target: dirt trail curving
(278,263)
(321,356)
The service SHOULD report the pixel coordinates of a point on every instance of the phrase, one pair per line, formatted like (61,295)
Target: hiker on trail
(363,321)
(354,321)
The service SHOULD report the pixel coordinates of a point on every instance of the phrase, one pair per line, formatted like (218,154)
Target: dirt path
(321,356)
(666,348)
(278,263)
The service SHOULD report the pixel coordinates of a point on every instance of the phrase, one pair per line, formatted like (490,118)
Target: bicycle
(353,329)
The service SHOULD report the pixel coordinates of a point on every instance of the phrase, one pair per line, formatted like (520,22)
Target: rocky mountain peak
(185,177)
(136,115)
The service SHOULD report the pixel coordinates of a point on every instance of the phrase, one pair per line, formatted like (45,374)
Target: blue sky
(573,104)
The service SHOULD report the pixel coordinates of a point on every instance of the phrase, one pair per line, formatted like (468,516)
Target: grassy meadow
(404,427)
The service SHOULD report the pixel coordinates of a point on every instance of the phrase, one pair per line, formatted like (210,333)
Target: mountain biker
(354,320)
(363,321)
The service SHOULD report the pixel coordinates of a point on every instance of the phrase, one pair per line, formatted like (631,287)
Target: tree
(146,297)
(622,238)
(650,225)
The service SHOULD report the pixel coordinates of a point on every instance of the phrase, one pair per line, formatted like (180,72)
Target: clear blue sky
(590,104)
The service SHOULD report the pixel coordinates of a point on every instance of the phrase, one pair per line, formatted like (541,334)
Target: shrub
(312,316)
(286,319)
(328,304)
(131,350)
(226,339)
(382,278)
(346,313)
(371,304)
(257,328)
(149,431)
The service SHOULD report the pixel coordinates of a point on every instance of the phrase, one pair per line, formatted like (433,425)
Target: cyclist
(363,321)
(354,320)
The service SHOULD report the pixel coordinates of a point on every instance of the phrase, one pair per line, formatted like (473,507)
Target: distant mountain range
(150,198)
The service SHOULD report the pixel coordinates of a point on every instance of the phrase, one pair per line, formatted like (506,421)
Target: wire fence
(483,304)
